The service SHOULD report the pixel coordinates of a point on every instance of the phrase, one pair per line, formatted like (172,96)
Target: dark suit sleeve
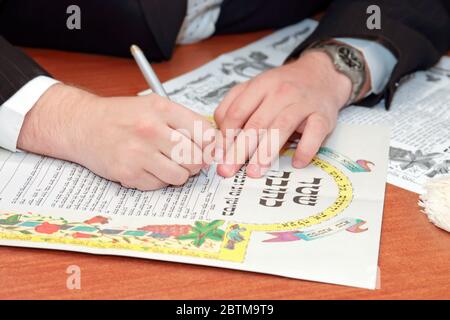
(107,27)
(16,69)
(416,31)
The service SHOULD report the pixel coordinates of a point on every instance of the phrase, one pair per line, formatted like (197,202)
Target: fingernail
(225,171)
(231,171)
(254,171)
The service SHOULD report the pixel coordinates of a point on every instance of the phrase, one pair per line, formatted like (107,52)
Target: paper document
(321,223)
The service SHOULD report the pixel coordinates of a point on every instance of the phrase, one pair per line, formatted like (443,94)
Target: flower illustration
(97,219)
(47,228)
(81,235)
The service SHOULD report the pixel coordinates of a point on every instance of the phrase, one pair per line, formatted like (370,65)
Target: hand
(302,97)
(125,139)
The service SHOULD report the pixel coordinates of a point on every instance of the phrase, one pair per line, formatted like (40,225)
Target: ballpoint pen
(151,77)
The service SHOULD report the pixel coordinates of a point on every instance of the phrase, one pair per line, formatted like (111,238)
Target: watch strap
(348,61)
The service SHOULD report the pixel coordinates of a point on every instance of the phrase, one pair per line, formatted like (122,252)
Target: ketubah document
(321,223)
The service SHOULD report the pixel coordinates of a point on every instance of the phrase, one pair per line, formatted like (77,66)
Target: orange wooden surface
(414,258)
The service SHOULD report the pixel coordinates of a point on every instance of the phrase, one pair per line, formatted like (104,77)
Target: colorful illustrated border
(218,239)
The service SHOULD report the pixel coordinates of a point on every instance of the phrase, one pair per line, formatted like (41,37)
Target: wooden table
(414,259)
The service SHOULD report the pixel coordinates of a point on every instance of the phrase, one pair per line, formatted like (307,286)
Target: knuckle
(160,105)
(257,82)
(241,86)
(236,113)
(159,185)
(127,176)
(286,88)
(285,120)
(235,90)
(177,138)
(152,185)
(322,122)
(256,123)
(144,128)
(194,168)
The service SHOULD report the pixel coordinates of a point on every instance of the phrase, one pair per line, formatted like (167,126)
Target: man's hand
(124,139)
(301,97)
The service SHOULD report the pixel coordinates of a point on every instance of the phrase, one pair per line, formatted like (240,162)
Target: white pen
(151,77)
(147,71)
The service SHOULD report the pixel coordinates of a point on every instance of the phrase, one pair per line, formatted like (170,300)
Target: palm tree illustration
(204,230)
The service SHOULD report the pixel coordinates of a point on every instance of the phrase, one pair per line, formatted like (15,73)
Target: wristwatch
(348,61)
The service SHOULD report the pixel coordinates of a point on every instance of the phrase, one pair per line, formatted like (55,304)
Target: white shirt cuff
(380,61)
(13,111)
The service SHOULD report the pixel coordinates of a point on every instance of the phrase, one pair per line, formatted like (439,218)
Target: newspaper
(320,223)
(420,122)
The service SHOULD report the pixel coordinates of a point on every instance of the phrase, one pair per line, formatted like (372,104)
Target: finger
(316,130)
(243,106)
(238,153)
(238,113)
(145,182)
(192,125)
(300,129)
(261,120)
(271,143)
(182,151)
(219,113)
(167,170)
(210,153)
(243,148)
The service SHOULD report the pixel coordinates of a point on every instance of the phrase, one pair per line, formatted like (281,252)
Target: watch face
(350,58)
